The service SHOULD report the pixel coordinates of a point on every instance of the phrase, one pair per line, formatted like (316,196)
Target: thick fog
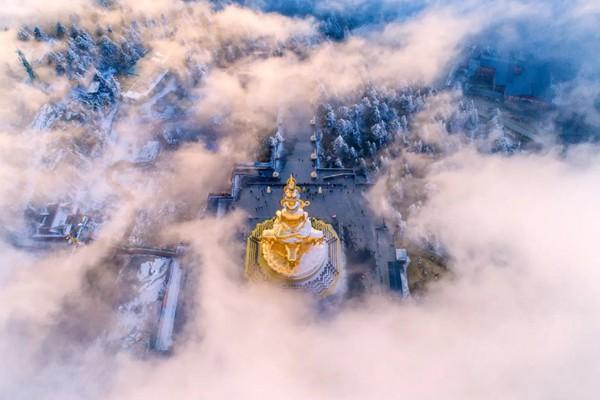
(516,317)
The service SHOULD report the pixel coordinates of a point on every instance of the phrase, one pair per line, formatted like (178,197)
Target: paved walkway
(298,160)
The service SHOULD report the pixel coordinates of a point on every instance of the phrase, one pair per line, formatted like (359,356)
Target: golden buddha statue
(294,249)
(292,234)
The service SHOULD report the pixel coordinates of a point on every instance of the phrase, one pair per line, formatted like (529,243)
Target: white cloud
(518,320)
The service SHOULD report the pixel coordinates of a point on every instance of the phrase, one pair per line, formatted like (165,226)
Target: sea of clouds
(517,319)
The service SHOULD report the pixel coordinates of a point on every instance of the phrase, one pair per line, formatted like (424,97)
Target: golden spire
(291,182)
(290,191)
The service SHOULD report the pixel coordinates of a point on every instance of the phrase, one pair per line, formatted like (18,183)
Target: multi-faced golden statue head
(291,199)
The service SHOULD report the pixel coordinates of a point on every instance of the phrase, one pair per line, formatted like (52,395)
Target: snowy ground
(138,318)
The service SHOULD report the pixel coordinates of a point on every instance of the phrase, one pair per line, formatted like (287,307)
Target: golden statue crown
(290,193)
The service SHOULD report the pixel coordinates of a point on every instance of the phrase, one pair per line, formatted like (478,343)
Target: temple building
(294,250)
